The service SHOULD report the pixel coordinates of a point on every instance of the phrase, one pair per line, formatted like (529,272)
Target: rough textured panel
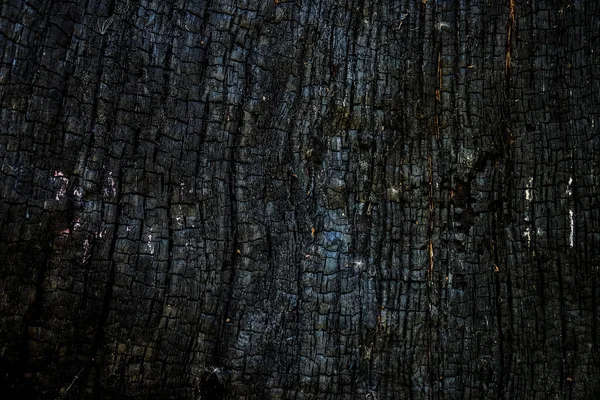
(243,199)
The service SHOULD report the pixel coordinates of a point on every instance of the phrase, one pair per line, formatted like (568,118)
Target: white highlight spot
(150,246)
(569,191)
(572,234)
(528,191)
(527,236)
(63,185)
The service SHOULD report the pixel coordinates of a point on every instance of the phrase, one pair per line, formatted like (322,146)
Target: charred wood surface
(241,199)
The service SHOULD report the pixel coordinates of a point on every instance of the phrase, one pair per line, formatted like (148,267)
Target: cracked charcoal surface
(242,199)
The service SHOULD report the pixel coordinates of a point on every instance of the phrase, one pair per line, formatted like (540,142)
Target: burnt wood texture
(349,199)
